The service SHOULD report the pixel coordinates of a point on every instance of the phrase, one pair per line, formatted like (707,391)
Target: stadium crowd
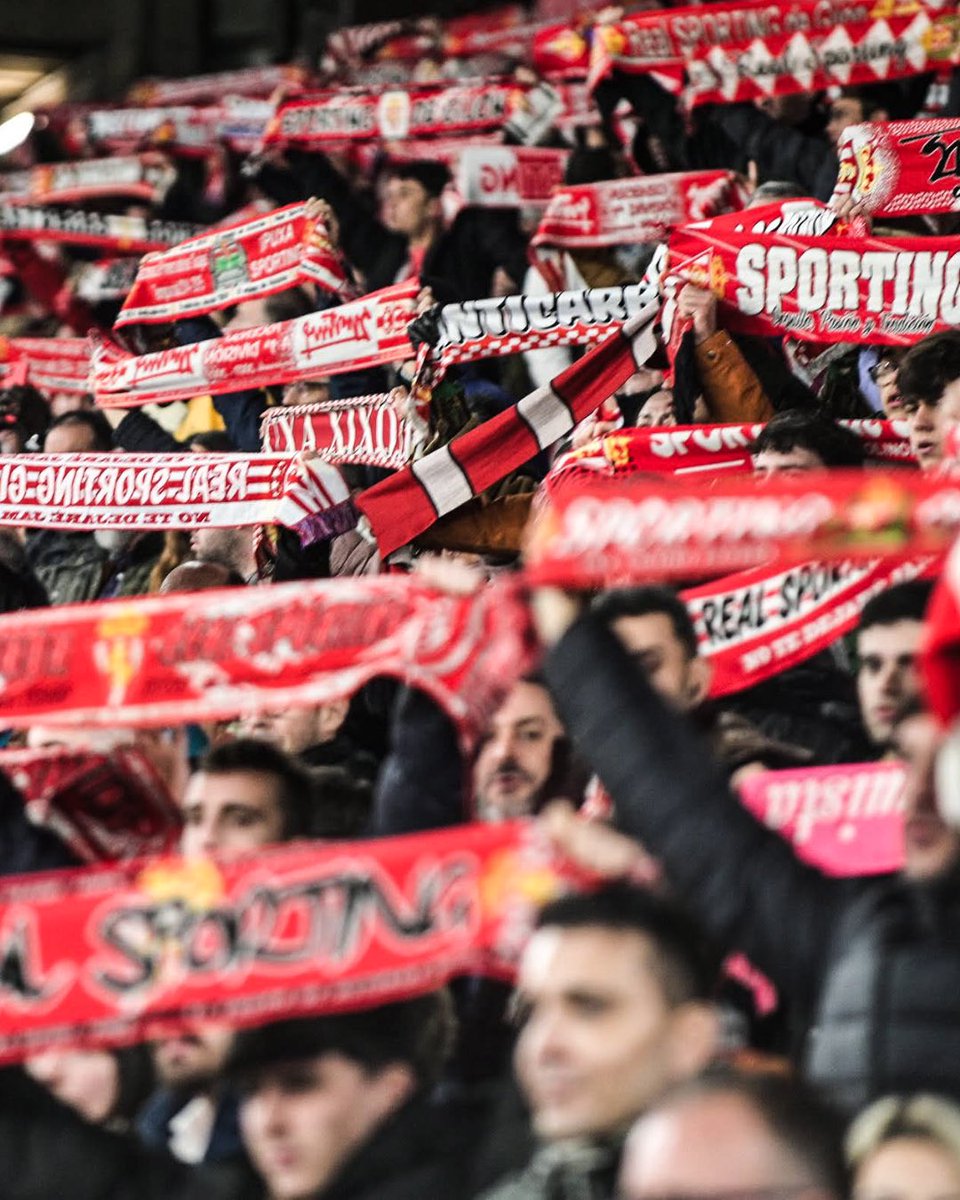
(719,1011)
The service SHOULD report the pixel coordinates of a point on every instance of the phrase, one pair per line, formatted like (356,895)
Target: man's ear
(698,680)
(393,1087)
(694,1038)
(330,717)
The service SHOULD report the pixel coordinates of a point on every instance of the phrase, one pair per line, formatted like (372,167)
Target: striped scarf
(403,506)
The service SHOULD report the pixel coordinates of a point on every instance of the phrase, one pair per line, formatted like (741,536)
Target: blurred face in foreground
(599,1039)
(930,845)
(887,677)
(301,1121)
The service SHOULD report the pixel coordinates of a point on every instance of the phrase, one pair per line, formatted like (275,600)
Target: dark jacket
(69,565)
(49,1153)
(153,1125)
(874,966)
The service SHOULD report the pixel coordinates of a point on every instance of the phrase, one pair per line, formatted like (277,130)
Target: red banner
(507,176)
(369,431)
(369,332)
(164,491)
(602,533)
(755,624)
(420,111)
(626,211)
(744,51)
(251,259)
(139,177)
(50,364)
(821,288)
(846,819)
(113,955)
(124,235)
(200,656)
(900,168)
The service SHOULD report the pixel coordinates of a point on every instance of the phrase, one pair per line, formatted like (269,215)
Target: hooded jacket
(872,965)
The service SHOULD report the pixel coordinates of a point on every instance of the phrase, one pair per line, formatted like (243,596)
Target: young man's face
(230,814)
(516,760)
(598,1039)
(192,1060)
(887,678)
(886,377)
(408,208)
(843,113)
(301,1121)
(786,462)
(930,423)
(652,643)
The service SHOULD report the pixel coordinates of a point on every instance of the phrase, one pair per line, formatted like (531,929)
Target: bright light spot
(15,131)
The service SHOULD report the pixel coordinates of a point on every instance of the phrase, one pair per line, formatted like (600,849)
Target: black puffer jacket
(874,966)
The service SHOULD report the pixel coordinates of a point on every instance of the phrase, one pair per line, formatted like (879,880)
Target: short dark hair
(96,422)
(217,441)
(873,98)
(644,601)
(806,1128)
(26,409)
(418,1032)
(902,602)
(255,755)
(686,962)
(433,177)
(928,367)
(834,445)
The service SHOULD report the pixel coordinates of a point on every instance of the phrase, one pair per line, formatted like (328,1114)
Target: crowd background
(720,1014)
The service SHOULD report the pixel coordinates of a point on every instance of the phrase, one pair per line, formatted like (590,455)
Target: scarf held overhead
(731,52)
(170,491)
(124,235)
(138,177)
(211,655)
(627,211)
(901,168)
(821,288)
(131,952)
(246,261)
(368,332)
(369,431)
(403,506)
(603,532)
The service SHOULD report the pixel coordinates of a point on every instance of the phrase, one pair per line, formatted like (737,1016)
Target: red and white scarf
(104,806)
(250,81)
(172,491)
(368,430)
(603,532)
(128,953)
(139,177)
(900,168)
(50,364)
(202,656)
(421,111)
(730,52)
(478,329)
(246,261)
(124,235)
(488,174)
(407,503)
(368,332)
(691,449)
(820,288)
(641,209)
(756,624)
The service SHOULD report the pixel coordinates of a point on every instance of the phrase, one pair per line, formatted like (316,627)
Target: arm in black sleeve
(734,135)
(47,1152)
(421,783)
(743,881)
